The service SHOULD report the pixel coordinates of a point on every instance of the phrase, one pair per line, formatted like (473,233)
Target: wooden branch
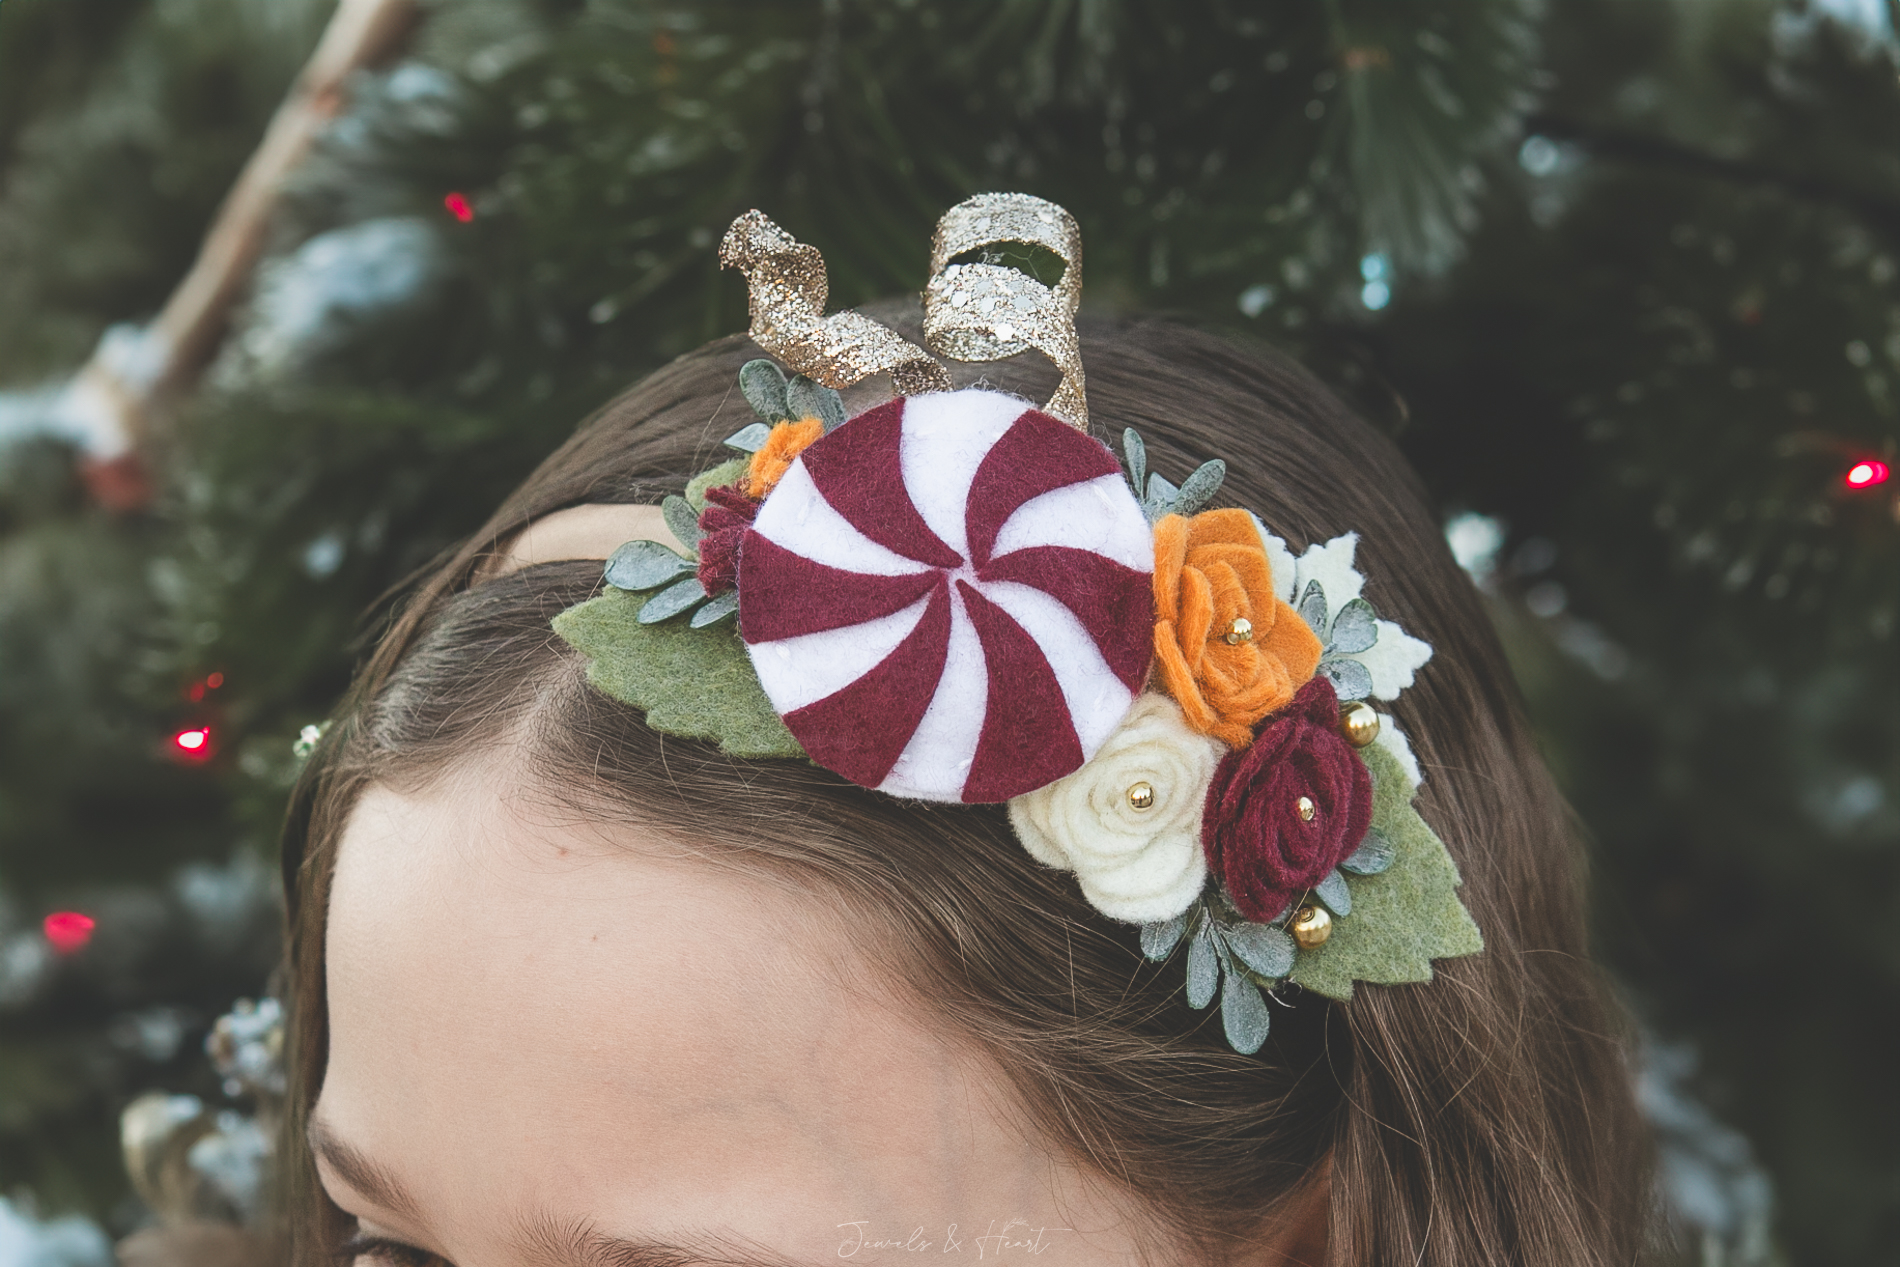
(123,400)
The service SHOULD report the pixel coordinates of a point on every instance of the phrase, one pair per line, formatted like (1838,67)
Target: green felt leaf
(721,607)
(1137,451)
(682,521)
(1201,487)
(763,385)
(673,600)
(1203,967)
(807,399)
(1159,939)
(1335,892)
(644,565)
(720,476)
(1267,950)
(1243,1015)
(1403,918)
(695,683)
(750,438)
(1355,628)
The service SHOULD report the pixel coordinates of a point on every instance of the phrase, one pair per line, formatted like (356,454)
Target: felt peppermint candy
(947,598)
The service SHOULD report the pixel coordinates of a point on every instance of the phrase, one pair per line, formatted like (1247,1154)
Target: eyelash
(383,1252)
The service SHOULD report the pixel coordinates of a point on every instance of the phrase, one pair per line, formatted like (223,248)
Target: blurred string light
(459,207)
(68,931)
(1375,269)
(193,743)
(1867,473)
(198,690)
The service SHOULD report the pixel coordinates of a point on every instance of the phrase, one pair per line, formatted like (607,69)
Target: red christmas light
(68,931)
(1867,473)
(192,743)
(213,682)
(459,207)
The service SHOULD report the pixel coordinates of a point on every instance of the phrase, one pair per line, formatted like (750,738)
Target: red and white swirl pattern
(948,598)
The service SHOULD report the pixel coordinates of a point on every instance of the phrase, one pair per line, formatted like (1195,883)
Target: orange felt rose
(775,456)
(1211,571)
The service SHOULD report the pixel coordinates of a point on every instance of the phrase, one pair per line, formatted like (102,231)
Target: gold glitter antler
(787,282)
(984,312)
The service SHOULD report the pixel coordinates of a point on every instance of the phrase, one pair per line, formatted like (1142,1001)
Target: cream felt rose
(1128,823)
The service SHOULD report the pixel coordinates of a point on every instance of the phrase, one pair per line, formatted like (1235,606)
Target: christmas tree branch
(123,394)
(1647,149)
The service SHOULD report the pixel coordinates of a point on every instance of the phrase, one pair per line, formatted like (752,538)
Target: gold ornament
(1238,632)
(1359,724)
(1305,808)
(1141,796)
(1310,926)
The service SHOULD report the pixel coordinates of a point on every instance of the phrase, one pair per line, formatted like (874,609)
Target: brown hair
(1484,1118)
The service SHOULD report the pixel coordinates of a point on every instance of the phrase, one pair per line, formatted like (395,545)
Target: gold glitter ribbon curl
(984,311)
(787,286)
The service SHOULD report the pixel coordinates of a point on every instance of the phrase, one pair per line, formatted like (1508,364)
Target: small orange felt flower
(774,458)
(1227,648)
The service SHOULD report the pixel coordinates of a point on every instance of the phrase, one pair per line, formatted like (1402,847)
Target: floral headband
(958,597)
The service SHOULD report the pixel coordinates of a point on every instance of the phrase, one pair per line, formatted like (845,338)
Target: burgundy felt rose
(729,512)
(1286,810)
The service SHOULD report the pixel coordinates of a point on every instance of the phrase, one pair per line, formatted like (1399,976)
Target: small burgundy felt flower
(729,512)
(1283,812)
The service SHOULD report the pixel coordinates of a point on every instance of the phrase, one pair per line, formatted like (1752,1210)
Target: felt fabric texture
(1393,740)
(860,730)
(1395,656)
(976,495)
(1031,740)
(1403,918)
(1139,865)
(1210,571)
(772,459)
(1257,842)
(694,683)
(723,521)
(726,473)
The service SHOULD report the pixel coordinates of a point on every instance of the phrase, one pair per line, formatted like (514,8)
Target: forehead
(532,1017)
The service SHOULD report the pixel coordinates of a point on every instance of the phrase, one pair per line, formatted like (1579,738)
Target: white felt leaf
(1393,659)
(1393,740)
(1331,565)
(1279,558)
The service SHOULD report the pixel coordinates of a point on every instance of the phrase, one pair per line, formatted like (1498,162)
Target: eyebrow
(365,1177)
(580,1244)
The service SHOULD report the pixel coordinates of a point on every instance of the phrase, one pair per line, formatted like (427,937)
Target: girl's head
(568,989)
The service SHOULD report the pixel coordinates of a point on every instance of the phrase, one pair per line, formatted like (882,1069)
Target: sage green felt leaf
(1243,1015)
(1335,892)
(682,521)
(807,399)
(1200,488)
(1159,939)
(763,385)
(695,683)
(726,604)
(750,439)
(1203,967)
(673,600)
(1267,950)
(1402,918)
(725,473)
(1137,452)
(644,565)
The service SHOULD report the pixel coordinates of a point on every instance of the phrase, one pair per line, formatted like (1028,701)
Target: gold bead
(1238,632)
(1305,808)
(1141,796)
(1359,724)
(1311,926)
